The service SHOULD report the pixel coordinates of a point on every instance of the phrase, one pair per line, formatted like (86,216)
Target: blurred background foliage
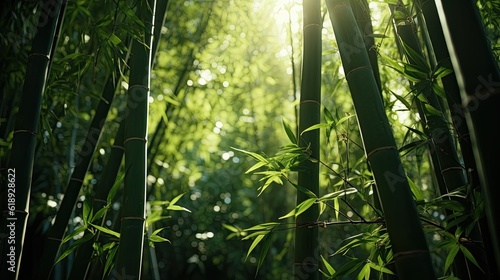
(225,75)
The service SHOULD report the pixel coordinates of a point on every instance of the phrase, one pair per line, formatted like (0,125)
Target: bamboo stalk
(129,259)
(478,77)
(15,208)
(306,238)
(408,242)
(452,90)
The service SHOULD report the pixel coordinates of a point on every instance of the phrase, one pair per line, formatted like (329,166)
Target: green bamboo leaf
(348,268)
(100,213)
(328,115)
(402,100)
(303,206)
(252,154)
(316,126)
(451,256)
(289,132)
(114,188)
(263,253)
(256,166)
(87,210)
(438,90)
(433,111)
(114,39)
(364,273)
(177,208)
(107,230)
(264,226)
(254,234)
(306,191)
(109,246)
(381,268)
(154,237)
(175,199)
(254,244)
(416,58)
(345,118)
(328,267)
(469,256)
(417,193)
(74,233)
(231,228)
(110,260)
(74,246)
(337,194)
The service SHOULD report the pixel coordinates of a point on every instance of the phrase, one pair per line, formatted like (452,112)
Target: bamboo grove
(335,139)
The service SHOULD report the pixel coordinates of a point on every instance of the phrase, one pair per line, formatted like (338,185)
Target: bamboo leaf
(254,244)
(177,208)
(381,268)
(100,214)
(231,228)
(87,210)
(154,237)
(469,256)
(289,132)
(175,199)
(74,233)
(337,194)
(417,193)
(256,166)
(316,126)
(264,226)
(306,191)
(110,260)
(328,267)
(263,253)
(114,188)
(364,273)
(303,206)
(252,154)
(107,231)
(74,246)
(451,256)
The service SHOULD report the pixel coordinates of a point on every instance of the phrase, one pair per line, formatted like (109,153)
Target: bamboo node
(410,253)
(134,218)
(380,149)
(39,54)
(135,138)
(118,147)
(451,169)
(357,68)
(24,130)
(138,86)
(53,238)
(76,179)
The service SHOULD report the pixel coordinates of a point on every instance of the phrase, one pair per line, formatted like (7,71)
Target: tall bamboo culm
(15,197)
(411,254)
(478,77)
(306,238)
(129,259)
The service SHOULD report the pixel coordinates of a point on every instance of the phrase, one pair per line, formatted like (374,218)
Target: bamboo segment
(479,80)
(306,238)
(25,137)
(408,242)
(129,261)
